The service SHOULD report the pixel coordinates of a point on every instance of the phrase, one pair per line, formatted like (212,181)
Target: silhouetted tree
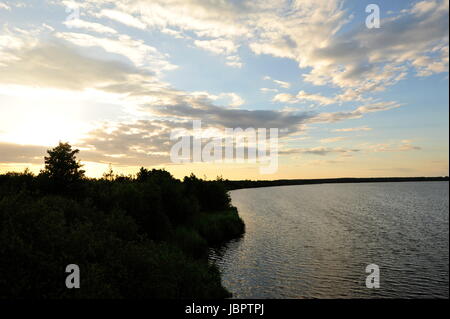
(157,175)
(109,175)
(62,167)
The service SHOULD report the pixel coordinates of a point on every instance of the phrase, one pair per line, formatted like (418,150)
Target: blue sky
(114,78)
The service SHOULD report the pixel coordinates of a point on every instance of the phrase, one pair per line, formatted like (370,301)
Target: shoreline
(246,184)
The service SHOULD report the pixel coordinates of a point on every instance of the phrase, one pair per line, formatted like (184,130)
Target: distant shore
(239,184)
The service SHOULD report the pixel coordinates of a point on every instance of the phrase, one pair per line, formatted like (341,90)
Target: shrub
(218,227)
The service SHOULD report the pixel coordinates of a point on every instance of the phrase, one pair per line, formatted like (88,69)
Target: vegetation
(230,185)
(132,237)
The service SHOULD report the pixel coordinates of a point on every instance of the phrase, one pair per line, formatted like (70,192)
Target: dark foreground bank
(239,184)
(131,237)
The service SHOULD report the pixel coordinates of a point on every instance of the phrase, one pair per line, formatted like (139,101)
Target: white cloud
(141,54)
(217,46)
(236,100)
(266,90)
(122,17)
(322,100)
(284,85)
(302,96)
(354,114)
(234,61)
(90,26)
(48,27)
(284,98)
(56,65)
(372,60)
(281,84)
(215,19)
(5,6)
(222,47)
(231,99)
(174,33)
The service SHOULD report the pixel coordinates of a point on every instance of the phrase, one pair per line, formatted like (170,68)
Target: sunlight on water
(315,241)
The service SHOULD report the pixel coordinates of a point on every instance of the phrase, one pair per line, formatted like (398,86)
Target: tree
(62,166)
(159,176)
(109,175)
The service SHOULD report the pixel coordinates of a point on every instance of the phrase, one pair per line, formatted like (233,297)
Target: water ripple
(314,241)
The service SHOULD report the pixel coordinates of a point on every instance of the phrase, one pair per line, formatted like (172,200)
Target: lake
(315,241)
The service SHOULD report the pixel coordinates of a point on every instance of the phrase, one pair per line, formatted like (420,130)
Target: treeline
(230,185)
(132,237)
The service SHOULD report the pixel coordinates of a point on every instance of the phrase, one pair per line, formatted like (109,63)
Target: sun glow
(37,116)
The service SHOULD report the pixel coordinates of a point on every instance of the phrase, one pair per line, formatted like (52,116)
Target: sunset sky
(114,78)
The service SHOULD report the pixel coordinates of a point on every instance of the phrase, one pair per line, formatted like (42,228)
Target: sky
(117,78)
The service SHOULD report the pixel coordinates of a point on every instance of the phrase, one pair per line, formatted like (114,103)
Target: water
(315,241)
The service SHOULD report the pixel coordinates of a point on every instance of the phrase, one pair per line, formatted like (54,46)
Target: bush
(190,242)
(38,240)
(218,227)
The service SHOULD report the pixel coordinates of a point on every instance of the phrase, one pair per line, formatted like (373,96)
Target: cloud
(122,17)
(320,99)
(356,113)
(231,99)
(90,26)
(174,33)
(4,6)
(302,96)
(321,151)
(357,60)
(332,139)
(236,100)
(234,61)
(345,152)
(222,47)
(212,19)
(376,58)
(217,46)
(284,98)
(187,107)
(403,146)
(266,90)
(131,67)
(284,85)
(60,66)
(16,153)
(149,142)
(145,142)
(353,129)
(139,53)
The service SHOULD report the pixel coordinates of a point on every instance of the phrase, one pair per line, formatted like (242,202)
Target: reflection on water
(314,241)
